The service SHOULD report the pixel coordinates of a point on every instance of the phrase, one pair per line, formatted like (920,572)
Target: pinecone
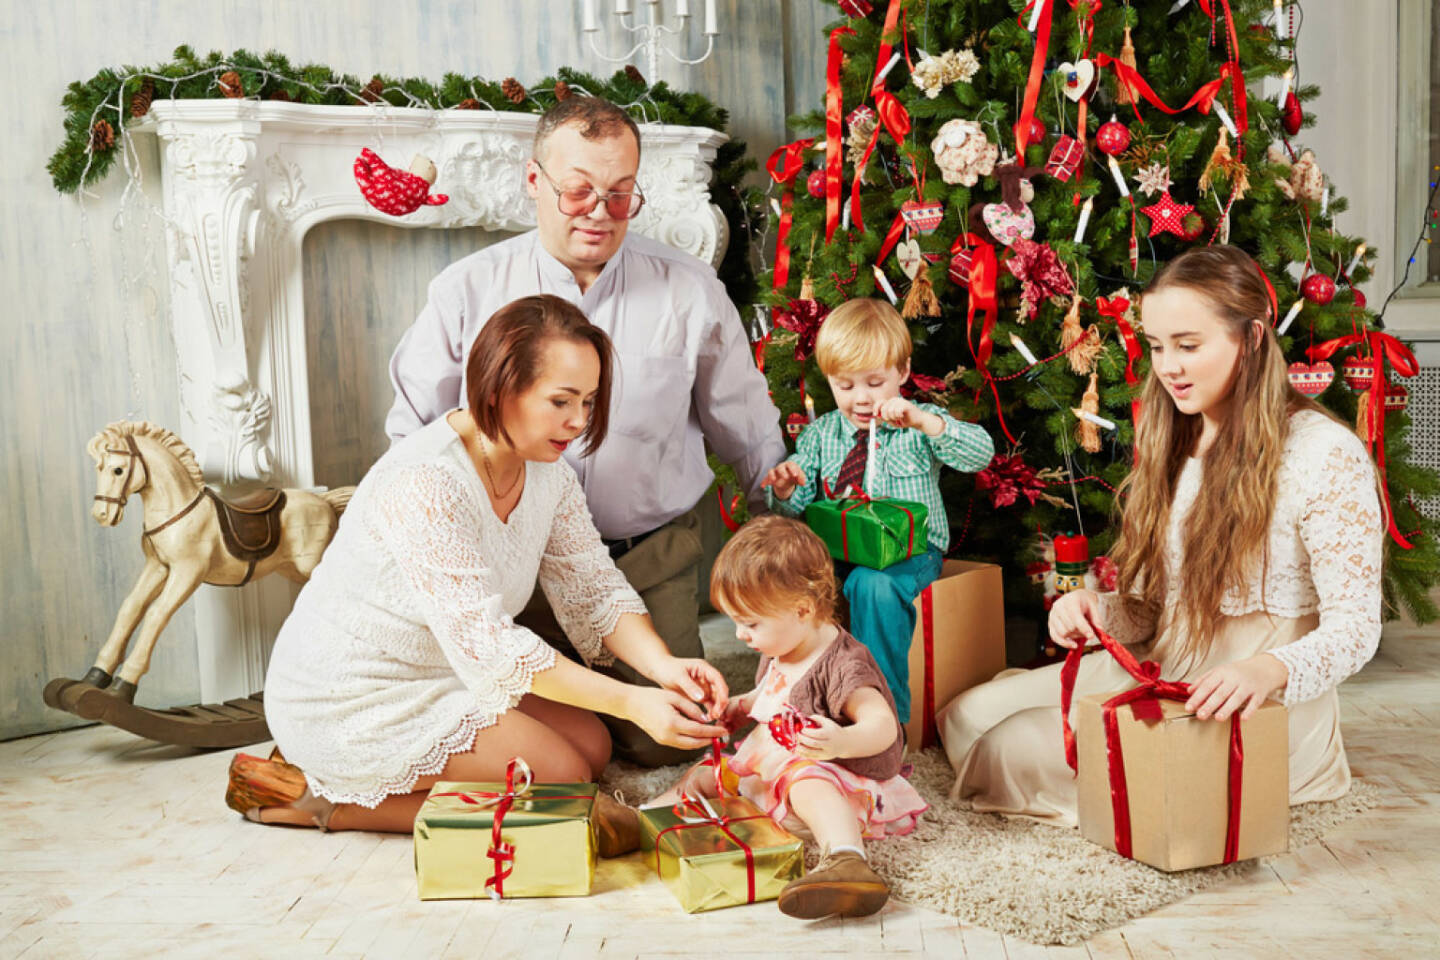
(634,74)
(140,103)
(374,91)
(102,136)
(469,103)
(513,91)
(562,90)
(231,86)
(280,95)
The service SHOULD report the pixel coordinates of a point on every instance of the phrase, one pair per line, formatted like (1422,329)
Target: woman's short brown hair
(506,356)
(769,566)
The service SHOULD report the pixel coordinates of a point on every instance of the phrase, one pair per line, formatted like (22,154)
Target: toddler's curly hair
(769,566)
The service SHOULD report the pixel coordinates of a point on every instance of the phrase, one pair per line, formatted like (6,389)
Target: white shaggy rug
(1042,883)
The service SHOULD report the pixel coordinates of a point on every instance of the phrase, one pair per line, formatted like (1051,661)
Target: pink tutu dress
(883,800)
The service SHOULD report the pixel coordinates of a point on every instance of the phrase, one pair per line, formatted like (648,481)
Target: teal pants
(882,615)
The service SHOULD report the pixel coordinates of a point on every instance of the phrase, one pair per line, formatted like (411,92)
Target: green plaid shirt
(907,464)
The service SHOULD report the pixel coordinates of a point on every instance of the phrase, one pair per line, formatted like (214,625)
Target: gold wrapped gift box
(704,863)
(550,825)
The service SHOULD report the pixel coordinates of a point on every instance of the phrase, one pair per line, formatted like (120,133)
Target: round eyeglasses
(579,201)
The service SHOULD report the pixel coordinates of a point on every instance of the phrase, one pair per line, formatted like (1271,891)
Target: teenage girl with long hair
(1249,554)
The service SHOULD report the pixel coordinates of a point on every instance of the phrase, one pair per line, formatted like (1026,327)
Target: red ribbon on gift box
(1144,703)
(697,813)
(500,852)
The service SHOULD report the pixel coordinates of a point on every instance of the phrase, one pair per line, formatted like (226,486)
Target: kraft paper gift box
(549,825)
(1177,786)
(738,856)
(959,642)
(872,533)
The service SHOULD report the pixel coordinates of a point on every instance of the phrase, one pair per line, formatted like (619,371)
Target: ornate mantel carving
(242,182)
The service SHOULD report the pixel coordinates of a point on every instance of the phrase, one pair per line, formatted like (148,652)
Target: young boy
(863,348)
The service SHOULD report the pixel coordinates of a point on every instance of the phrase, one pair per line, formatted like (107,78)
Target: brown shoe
(842,885)
(617,826)
(255,784)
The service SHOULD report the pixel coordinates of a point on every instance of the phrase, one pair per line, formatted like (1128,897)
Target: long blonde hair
(1229,526)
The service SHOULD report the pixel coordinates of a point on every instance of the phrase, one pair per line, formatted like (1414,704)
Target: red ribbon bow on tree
(1115,308)
(1383,347)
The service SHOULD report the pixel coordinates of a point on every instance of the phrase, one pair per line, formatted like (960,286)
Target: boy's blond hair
(862,334)
(769,567)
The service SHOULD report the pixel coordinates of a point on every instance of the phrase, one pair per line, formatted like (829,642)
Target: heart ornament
(1311,379)
(1079,79)
(1007,225)
(907,252)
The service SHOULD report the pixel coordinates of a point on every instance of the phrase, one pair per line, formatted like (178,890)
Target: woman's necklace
(490,473)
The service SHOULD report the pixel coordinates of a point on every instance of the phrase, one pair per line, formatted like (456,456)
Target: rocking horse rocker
(191,536)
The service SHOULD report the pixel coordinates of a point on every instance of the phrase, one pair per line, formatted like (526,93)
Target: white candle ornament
(1020,345)
(894,59)
(1224,116)
(1118,176)
(1035,15)
(870,458)
(884,285)
(775,205)
(1355,260)
(1100,422)
(1084,219)
(1286,79)
(810,408)
(588,21)
(712,23)
(1289,318)
(1325,200)
(845,216)
(1281,28)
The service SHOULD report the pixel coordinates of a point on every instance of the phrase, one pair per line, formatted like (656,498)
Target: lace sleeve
(430,525)
(1125,624)
(1341,529)
(586,591)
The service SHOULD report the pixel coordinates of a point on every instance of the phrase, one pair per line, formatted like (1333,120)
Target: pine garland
(116,91)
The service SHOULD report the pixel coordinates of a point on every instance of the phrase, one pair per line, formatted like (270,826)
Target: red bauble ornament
(1359,373)
(1112,137)
(1192,226)
(1311,379)
(1318,288)
(1359,299)
(1037,130)
(1291,116)
(786,725)
(815,183)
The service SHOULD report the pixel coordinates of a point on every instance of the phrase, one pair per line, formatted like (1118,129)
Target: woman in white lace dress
(401,663)
(1249,555)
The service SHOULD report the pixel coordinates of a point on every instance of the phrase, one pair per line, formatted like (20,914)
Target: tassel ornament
(1123,93)
(1082,356)
(1087,434)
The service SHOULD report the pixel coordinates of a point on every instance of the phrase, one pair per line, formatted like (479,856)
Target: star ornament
(1153,179)
(1167,216)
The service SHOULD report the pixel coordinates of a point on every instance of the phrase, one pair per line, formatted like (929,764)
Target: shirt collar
(561,276)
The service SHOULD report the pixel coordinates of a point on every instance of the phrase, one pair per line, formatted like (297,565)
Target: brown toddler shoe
(842,885)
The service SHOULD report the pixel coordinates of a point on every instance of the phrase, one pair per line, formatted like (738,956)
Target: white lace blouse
(402,645)
(1326,554)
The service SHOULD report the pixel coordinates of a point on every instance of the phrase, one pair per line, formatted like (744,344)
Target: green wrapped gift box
(871,533)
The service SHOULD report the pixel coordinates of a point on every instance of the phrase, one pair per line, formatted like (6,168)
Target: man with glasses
(685,374)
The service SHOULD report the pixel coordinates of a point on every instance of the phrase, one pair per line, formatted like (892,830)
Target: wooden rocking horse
(191,536)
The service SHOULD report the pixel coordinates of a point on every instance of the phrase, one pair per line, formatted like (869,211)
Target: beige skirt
(1004,737)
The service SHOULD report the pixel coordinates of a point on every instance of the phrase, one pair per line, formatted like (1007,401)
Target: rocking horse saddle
(250,525)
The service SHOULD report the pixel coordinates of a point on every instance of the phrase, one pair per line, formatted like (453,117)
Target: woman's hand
(1242,685)
(670,718)
(783,478)
(696,679)
(824,741)
(1075,618)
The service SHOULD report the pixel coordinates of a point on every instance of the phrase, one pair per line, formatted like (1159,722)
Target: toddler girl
(824,758)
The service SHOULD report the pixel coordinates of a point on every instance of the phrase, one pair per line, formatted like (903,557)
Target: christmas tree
(1014,177)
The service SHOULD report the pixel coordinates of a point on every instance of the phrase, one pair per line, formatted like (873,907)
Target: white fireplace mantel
(242,183)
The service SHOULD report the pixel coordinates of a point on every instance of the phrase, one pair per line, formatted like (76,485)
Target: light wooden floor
(113,847)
